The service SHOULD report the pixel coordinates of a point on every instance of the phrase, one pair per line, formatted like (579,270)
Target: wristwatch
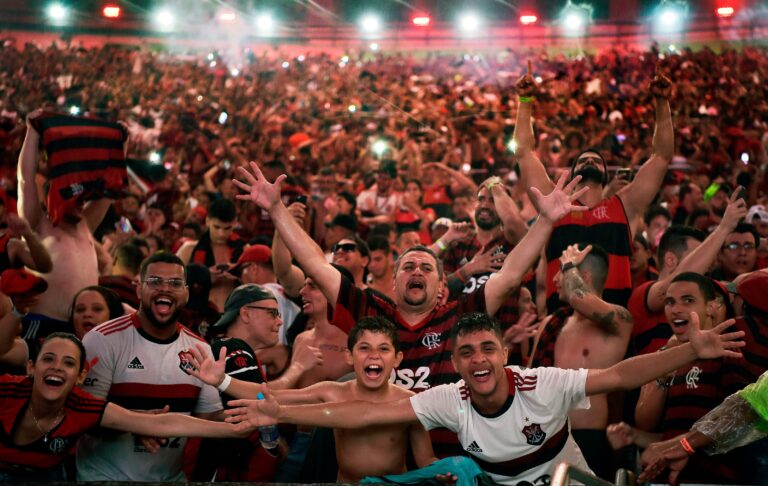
(564,267)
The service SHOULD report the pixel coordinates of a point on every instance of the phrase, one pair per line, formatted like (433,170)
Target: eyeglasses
(158,282)
(273,312)
(345,247)
(737,246)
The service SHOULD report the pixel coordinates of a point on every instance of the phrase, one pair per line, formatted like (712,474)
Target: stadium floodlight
(57,12)
(575,18)
(370,23)
(421,21)
(74,110)
(469,23)
(164,19)
(670,16)
(155,157)
(265,24)
(374,46)
(725,12)
(379,147)
(111,11)
(529,19)
(286,64)
(227,16)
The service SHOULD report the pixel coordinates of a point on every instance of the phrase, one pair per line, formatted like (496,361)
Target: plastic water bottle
(269,435)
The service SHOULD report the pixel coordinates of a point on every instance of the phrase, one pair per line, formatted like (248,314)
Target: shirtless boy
(375,450)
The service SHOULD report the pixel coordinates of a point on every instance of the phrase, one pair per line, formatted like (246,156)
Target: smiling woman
(45,413)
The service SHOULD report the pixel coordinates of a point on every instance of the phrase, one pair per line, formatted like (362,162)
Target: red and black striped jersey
(650,330)
(606,225)
(701,386)
(81,412)
(85,160)
(426,346)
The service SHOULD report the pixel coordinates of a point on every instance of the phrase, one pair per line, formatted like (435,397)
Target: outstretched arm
(551,207)
(612,319)
(289,275)
(511,221)
(700,259)
(634,372)
(29,200)
(342,415)
(532,171)
(640,192)
(267,196)
(167,425)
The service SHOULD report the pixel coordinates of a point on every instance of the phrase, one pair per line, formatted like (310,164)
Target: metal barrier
(564,472)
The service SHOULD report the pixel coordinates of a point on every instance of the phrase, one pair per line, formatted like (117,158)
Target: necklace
(45,433)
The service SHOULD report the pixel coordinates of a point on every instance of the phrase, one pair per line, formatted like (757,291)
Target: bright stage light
(286,64)
(469,23)
(421,21)
(379,147)
(265,23)
(164,19)
(528,19)
(374,46)
(57,12)
(575,18)
(111,11)
(725,11)
(370,23)
(74,110)
(670,17)
(227,16)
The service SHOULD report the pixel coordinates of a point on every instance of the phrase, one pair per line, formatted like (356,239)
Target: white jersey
(135,371)
(528,437)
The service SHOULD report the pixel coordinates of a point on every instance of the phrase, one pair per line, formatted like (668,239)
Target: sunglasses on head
(346,247)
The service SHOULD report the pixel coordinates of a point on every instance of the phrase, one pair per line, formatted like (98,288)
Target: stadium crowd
(582,241)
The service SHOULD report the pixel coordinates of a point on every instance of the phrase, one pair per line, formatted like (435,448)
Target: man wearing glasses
(139,362)
(352,253)
(738,254)
(251,322)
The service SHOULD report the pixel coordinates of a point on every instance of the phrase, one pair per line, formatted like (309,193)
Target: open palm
(713,343)
(205,368)
(559,202)
(257,188)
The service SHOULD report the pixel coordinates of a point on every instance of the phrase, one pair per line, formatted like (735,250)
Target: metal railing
(564,472)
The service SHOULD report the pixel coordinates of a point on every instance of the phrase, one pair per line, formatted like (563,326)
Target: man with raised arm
(70,245)
(513,421)
(608,222)
(422,323)
(589,333)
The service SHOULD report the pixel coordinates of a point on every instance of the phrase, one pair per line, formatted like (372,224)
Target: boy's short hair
(377,324)
(422,249)
(474,322)
(705,285)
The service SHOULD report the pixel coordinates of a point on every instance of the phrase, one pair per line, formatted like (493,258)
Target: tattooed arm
(611,319)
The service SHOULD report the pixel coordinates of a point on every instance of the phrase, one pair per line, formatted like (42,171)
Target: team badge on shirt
(185,363)
(534,435)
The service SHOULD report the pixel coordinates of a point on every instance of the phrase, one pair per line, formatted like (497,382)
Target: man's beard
(416,302)
(590,173)
(172,319)
(487,224)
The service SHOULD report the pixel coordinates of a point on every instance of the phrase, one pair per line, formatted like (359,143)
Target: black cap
(389,167)
(344,220)
(242,295)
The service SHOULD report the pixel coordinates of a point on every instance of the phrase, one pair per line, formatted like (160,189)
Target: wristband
(224,383)
(687,447)
(18,314)
(567,266)
(441,245)
(663,383)
(525,99)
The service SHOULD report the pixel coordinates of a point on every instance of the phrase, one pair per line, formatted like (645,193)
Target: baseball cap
(344,220)
(241,296)
(445,222)
(17,281)
(252,254)
(757,211)
(752,290)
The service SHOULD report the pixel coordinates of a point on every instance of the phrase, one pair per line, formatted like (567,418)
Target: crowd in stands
(554,231)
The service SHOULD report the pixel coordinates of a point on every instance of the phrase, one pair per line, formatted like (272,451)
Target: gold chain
(37,424)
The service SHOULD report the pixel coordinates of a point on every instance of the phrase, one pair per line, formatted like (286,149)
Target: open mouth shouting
(416,284)
(163,306)
(679,326)
(53,381)
(373,371)
(481,376)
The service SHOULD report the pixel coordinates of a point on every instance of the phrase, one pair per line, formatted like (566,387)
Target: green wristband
(525,99)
